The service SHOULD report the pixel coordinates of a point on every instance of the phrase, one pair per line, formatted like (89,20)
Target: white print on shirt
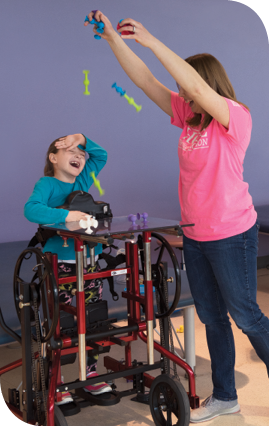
(194,139)
(234,103)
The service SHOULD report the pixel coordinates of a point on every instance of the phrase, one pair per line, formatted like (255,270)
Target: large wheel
(169,402)
(34,268)
(165,252)
(59,419)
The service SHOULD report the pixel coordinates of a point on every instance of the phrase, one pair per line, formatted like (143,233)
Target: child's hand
(75,216)
(109,31)
(70,141)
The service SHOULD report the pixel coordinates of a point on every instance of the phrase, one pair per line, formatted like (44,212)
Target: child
(67,170)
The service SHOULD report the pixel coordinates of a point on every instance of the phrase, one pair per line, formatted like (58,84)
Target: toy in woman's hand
(100,26)
(125,25)
(126,32)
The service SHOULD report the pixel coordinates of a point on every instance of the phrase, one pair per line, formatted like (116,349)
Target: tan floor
(251,380)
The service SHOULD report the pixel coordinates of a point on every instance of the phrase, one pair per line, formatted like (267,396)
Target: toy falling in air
(130,100)
(96,183)
(100,26)
(86,82)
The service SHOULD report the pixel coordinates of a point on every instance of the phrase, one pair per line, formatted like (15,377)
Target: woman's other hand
(109,31)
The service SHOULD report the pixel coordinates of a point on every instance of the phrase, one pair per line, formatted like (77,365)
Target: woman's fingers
(98,15)
(130,21)
(90,17)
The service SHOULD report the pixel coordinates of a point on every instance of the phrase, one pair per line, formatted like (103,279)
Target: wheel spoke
(43,277)
(169,417)
(160,255)
(19,279)
(164,391)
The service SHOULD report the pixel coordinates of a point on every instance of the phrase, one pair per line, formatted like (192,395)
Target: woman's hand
(75,216)
(70,141)
(140,33)
(109,31)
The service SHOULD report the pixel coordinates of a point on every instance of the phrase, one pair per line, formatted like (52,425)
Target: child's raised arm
(96,161)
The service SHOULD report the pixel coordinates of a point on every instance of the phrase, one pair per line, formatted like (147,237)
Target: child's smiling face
(68,164)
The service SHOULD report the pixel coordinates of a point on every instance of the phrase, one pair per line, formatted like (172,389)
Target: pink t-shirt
(212,193)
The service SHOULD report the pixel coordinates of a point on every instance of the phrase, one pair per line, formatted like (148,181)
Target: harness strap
(41,237)
(112,263)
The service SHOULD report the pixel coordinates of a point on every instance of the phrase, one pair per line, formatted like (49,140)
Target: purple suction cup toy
(143,216)
(132,218)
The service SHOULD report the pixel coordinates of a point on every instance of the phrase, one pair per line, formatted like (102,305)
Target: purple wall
(45,48)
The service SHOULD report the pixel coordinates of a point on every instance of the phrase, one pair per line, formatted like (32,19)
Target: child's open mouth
(190,103)
(75,164)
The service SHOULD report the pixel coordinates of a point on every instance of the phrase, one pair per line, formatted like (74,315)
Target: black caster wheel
(59,419)
(169,402)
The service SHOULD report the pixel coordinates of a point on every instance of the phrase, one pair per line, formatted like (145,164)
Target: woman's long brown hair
(213,72)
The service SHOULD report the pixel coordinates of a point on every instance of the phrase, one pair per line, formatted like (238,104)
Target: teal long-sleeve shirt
(50,193)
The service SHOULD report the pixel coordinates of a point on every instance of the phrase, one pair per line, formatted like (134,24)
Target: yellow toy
(96,183)
(86,82)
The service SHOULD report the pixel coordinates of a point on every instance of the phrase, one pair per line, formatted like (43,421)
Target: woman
(221,249)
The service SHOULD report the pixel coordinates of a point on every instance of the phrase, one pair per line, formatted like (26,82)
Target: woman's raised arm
(134,67)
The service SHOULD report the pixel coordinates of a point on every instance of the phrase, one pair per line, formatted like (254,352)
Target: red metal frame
(134,299)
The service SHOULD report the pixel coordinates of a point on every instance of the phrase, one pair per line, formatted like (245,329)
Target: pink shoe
(97,388)
(66,398)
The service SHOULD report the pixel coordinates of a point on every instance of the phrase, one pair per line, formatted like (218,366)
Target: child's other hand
(109,31)
(75,216)
(70,141)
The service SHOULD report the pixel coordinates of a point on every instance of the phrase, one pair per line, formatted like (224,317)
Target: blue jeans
(223,278)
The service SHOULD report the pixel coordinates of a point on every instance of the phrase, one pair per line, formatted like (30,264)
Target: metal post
(148,296)
(92,255)
(85,262)
(80,310)
(189,336)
